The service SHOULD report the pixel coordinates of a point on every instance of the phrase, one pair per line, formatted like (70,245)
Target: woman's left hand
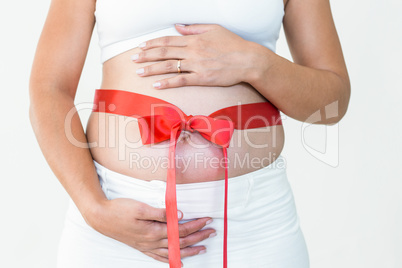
(210,55)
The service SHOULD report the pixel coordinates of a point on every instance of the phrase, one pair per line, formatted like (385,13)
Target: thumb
(194,28)
(147,212)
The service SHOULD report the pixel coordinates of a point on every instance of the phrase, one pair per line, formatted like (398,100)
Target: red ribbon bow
(167,121)
(168,126)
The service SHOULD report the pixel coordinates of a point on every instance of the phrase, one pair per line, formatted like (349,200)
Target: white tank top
(124,24)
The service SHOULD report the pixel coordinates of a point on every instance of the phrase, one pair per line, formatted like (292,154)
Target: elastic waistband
(277,167)
(200,198)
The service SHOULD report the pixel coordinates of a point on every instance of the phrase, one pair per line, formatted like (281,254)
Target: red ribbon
(157,128)
(166,123)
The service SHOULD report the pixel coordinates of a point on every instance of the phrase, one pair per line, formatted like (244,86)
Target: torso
(119,146)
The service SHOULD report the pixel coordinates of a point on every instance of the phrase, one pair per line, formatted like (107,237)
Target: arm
(316,83)
(57,67)
(318,76)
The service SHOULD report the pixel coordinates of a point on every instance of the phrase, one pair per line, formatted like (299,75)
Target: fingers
(190,233)
(196,237)
(168,66)
(191,251)
(159,230)
(156,256)
(191,239)
(147,212)
(160,53)
(188,79)
(193,226)
(197,28)
(165,41)
(163,253)
(156,218)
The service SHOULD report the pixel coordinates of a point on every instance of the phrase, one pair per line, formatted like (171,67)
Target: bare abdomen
(117,138)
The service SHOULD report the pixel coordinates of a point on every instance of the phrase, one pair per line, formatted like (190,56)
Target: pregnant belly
(116,142)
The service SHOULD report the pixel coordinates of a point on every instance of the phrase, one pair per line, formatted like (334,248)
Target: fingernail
(180,25)
(208,222)
(212,235)
(202,252)
(134,57)
(157,84)
(179,214)
(140,71)
(143,44)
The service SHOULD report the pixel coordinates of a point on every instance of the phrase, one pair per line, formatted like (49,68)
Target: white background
(351,214)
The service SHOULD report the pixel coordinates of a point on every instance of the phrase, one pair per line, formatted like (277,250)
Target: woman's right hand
(144,228)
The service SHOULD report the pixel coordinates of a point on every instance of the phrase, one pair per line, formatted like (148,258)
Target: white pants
(263,226)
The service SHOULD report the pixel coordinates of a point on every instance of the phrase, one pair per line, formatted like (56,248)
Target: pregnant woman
(181,160)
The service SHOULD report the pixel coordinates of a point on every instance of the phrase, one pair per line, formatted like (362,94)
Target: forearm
(303,93)
(72,165)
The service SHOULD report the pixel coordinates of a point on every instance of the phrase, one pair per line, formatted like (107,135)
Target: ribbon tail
(171,206)
(225,221)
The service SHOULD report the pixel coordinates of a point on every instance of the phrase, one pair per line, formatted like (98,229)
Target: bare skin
(317,78)
(119,144)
